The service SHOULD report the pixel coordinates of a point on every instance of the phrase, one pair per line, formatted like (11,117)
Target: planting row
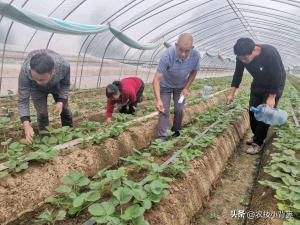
(16,155)
(97,103)
(284,165)
(122,195)
(19,195)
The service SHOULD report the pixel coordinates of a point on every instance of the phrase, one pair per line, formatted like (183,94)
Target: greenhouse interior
(139,112)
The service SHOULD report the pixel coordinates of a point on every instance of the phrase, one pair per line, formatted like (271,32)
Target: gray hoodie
(59,84)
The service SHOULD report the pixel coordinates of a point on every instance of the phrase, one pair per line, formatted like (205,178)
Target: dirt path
(238,190)
(233,191)
(263,197)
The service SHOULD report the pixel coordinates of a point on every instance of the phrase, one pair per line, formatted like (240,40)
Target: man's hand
(231,94)
(270,101)
(185,92)
(229,98)
(29,133)
(108,120)
(58,107)
(160,106)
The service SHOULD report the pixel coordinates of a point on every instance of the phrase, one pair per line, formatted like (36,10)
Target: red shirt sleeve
(109,108)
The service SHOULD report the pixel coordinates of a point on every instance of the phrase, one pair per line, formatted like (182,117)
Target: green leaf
(33,156)
(155,198)
(83,181)
(133,211)
(66,202)
(92,196)
(296,205)
(147,204)
(74,210)
(157,187)
(79,200)
(72,195)
(123,194)
(54,200)
(115,174)
(95,185)
(139,194)
(114,221)
(49,155)
(7,142)
(288,180)
(3,155)
(75,178)
(61,215)
(101,209)
(67,138)
(102,219)
(63,189)
(22,166)
(295,196)
(11,164)
(46,216)
(3,174)
(295,188)
(15,146)
(45,140)
(274,185)
(52,140)
(140,221)
(43,132)
(296,147)
(283,207)
(283,194)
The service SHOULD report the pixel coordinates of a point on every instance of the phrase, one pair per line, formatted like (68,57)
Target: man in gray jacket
(175,74)
(43,72)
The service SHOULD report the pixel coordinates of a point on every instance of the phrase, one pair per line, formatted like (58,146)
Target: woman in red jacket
(126,93)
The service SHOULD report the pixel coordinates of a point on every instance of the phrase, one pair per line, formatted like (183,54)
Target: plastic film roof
(215,25)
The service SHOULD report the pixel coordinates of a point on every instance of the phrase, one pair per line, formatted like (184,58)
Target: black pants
(129,108)
(259,129)
(39,99)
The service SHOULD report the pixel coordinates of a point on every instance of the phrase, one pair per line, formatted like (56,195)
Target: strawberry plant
(176,167)
(125,201)
(140,161)
(120,117)
(18,154)
(284,164)
(49,217)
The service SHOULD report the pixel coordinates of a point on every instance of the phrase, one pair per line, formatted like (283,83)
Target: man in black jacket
(264,63)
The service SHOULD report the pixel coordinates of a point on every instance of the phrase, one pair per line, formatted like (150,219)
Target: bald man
(175,74)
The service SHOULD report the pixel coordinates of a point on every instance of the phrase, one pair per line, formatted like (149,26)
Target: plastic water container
(181,99)
(268,115)
(206,91)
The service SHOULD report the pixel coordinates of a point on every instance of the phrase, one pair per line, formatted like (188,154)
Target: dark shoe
(176,134)
(131,110)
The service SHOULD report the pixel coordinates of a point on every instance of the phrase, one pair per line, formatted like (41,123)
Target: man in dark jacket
(264,63)
(43,72)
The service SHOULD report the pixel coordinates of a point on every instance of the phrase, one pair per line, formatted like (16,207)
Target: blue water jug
(268,115)
(206,90)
